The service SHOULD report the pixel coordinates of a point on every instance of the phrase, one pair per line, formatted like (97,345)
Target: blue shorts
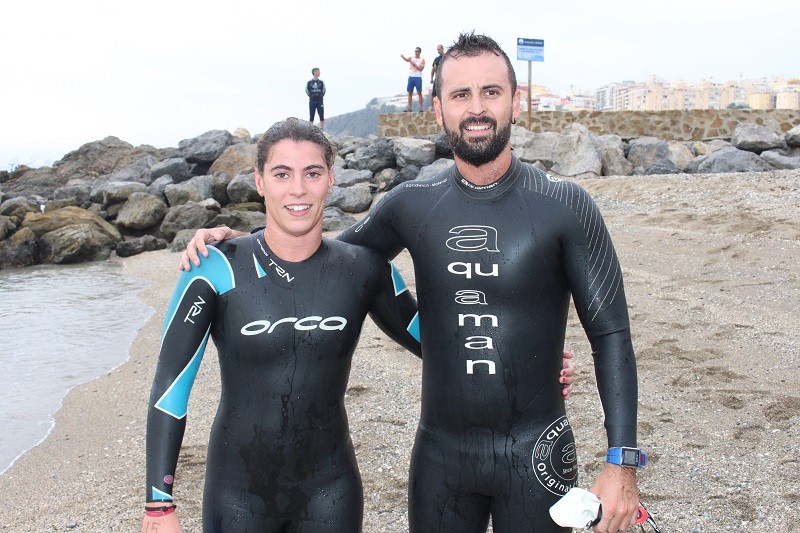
(414,81)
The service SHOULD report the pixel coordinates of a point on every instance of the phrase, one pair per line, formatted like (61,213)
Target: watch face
(630,457)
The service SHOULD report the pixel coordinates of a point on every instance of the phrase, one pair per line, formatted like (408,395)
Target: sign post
(530,50)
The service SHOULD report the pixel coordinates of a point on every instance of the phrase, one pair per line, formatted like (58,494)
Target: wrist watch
(623,456)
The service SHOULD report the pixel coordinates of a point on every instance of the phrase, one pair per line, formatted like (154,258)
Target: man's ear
(437,107)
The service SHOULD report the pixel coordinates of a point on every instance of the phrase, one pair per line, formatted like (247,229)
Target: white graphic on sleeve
(194,310)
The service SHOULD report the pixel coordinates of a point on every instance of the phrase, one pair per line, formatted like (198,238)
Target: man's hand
(619,498)
(567,377)
(198,244)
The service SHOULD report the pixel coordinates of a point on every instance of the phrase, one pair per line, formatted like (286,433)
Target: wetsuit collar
(493,190)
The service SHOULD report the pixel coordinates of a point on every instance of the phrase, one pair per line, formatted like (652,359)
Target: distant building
(656,94)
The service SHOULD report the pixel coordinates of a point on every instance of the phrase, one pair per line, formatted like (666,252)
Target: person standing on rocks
(416,65)
(435,68)
(315,89)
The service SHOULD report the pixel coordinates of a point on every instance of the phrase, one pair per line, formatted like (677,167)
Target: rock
(141,211)
(355,199)
(190,215)
(239,220)
(755,138)
(732,160)
(349,177)
(236,159)
(205,148)
(780,161)
(138,245)
(417,152)
(114,192)
(18,207)
(575,154)
(242,188)
(334,219)
(612,155)
(792,137)
(75,243)
(198,189)
(19,250)
(176,167)
(8,225)
(37,181)
(428,171)
(373,157)
(42,223)
(100,158)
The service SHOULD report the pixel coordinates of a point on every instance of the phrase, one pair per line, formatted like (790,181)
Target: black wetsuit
(280,458)
(495,268)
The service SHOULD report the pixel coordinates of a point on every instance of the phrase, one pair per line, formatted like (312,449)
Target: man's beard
(479,152)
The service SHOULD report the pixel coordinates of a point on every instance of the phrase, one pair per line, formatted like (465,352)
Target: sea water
(60,326)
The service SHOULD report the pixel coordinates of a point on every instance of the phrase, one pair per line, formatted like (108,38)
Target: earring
(513,121)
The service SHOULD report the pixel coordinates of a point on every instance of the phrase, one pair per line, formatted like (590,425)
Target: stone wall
(695,125)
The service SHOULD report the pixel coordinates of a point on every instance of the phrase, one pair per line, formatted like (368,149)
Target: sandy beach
(712,275)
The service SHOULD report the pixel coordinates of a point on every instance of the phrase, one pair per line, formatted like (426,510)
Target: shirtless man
(499,248)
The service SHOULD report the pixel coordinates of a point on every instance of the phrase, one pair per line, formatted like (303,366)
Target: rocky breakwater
(111,196)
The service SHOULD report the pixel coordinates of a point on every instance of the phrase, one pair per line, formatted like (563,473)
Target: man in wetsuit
(284,307)
(499,248)
(435,67)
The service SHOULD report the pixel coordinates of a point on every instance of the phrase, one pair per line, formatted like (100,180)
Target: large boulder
(19,250)
(355,199)
(650,155)
(374,156)
(75,243)
(205,148)
(418,152)
(334,219)
(191,215)
(756,138)
(612,155)
(114,192)
(349,177)
(34,182)
(792,137)
(732,160)
(428,171)
(19,207)
(41,223)
(236,159)
(141,211)
(100,158)
(198,189)
(138,245)
(575,155)
(176,167)
(780,161)
(242,188)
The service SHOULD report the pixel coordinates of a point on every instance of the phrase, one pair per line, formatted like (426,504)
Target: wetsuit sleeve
(186,330)
(595,279)
(376,231)
(394,309)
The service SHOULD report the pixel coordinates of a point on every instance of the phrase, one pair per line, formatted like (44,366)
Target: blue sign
(530,49)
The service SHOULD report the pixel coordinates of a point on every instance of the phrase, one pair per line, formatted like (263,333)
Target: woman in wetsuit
(284,308)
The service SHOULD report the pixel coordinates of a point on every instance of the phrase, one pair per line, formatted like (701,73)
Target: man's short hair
(471,45)
(313,70)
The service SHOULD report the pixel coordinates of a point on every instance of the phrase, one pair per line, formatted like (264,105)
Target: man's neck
(487,173)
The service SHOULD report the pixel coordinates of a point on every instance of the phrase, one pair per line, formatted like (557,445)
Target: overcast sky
(155,73)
